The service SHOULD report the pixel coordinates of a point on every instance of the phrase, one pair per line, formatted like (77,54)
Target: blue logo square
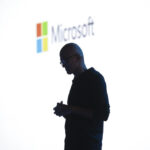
(39,45)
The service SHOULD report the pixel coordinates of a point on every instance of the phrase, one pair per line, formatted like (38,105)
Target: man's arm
(64,110)
(87,113)
(100,99)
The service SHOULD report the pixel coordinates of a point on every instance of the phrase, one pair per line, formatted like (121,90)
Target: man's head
(71,57)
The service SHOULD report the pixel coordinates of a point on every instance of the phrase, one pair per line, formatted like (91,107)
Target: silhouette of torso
(88,91)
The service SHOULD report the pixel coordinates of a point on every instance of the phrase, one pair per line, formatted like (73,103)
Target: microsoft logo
(61,33)
(42,39)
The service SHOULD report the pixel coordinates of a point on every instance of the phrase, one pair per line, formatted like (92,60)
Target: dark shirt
(88,91)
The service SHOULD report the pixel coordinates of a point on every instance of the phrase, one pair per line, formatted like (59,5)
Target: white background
(31,84)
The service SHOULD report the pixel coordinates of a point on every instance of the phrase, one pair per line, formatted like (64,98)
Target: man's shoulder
(94,74)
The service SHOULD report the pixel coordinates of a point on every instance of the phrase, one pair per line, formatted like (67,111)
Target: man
(88,105)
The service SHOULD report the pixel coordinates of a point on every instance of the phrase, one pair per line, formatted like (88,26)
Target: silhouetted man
(88,105)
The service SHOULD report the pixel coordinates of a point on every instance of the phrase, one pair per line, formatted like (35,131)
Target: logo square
(39,45)
(45,44)
(44,28)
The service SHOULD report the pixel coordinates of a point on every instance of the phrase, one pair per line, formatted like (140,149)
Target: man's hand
(62,110)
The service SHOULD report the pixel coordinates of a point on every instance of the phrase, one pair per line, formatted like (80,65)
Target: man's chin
(68,72)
